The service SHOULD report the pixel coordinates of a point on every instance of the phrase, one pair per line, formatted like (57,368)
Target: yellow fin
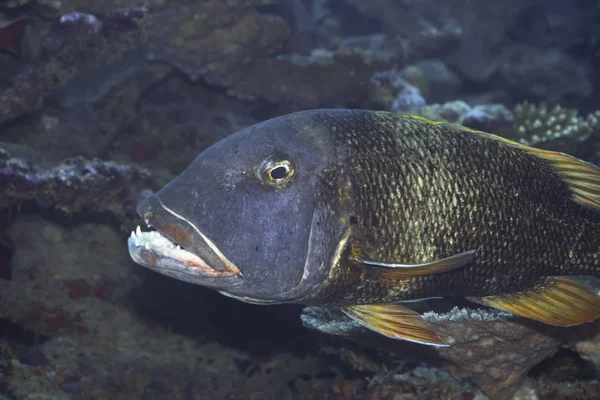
(558,301)
(382,271)
(395,321)
(582,177)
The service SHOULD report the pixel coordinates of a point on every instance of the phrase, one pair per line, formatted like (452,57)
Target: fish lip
(185,234)
(156,251)
(172,247)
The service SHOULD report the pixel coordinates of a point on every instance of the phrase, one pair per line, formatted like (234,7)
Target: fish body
(363,210)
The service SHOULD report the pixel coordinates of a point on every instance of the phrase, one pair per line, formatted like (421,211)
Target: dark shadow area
(16,334)
(195,311)
(565,365)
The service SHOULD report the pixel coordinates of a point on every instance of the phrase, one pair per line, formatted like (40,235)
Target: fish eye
(277,173)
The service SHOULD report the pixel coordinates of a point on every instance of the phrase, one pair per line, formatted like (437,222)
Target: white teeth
(151,239)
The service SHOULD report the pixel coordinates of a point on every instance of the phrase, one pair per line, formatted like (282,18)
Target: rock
(442,83)
(213,40)
(492,349)
(544,75)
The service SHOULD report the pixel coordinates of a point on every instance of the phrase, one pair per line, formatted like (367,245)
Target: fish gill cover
(102,104)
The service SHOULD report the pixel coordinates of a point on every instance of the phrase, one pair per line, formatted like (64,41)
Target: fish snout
(184,232)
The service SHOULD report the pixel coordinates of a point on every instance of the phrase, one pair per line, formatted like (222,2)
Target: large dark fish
(363,210)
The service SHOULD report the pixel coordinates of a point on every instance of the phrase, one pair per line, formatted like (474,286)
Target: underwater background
(104,102)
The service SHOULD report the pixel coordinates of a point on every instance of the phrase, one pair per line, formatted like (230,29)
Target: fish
(367,211)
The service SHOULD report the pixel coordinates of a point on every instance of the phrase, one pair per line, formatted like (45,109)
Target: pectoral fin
(557,301)
(395,321)
(381,271)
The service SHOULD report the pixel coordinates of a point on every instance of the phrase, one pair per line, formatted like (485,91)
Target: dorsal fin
(382,271)
(583,178)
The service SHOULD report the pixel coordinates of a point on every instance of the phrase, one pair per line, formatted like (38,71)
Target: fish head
(243,218)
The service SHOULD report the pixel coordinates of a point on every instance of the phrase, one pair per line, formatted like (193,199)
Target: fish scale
(481,209)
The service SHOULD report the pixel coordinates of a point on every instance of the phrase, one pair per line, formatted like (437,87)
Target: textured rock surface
(491,349)
(494,353)
(479,26)
(214,40)
(70,186)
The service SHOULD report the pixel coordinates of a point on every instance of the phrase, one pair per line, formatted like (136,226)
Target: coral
(492,349)
(477,28)
(486,117)
(71,186)
(537,124)
(324,77)
(392,92)
(555,128)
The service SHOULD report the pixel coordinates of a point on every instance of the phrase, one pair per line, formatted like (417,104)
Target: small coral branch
(535,124)
(70,186)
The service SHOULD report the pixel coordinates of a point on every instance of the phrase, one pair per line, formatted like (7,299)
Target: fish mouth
(156,251)
(177,248)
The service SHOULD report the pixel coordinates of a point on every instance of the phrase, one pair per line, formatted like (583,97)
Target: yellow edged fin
(582,177)
(557,301)
(382,271)
(395,321)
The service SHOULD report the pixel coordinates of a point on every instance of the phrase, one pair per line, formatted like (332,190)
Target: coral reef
(103,102)
(479,27)
(554,128)
(538,124)
(70,186)
(74,43)
(489,348)
(390,91)
(485,117)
